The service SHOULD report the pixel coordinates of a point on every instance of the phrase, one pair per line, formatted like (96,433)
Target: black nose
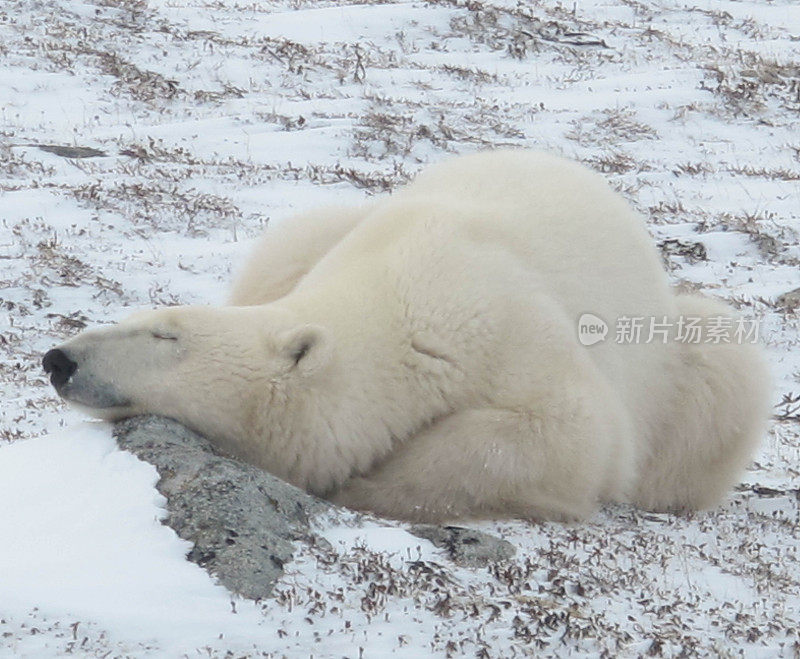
(59,366)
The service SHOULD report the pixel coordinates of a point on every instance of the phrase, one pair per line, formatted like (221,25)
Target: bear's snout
(73,374)
(59,366)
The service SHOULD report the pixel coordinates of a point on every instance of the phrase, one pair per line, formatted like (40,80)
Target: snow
(82,536)
(83,542)
(217,118)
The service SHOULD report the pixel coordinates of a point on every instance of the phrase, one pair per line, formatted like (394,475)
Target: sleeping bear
(420,356)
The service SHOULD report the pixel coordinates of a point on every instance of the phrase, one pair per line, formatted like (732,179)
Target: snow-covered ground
(211,119)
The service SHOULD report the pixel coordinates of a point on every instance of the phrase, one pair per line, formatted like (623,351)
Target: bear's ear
(305,348)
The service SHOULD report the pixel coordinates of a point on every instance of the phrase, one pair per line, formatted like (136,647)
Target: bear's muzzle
(77,382)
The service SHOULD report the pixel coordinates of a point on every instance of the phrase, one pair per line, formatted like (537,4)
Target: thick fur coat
(419,357)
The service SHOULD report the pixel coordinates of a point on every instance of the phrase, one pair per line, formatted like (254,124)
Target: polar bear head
(213,369)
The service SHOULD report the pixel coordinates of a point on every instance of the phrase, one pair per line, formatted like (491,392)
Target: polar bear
(419,357)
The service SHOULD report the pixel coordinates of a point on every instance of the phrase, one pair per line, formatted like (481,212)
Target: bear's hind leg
(714,424)
(489,463)
(289,249)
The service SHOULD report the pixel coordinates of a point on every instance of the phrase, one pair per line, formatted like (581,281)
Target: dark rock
(789,300)
(466,547)
(241,519)
(72,151)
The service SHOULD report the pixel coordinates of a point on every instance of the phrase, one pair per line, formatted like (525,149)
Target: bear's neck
(379,391)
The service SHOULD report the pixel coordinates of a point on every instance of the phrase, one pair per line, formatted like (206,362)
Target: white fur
(289,249)
(419,357)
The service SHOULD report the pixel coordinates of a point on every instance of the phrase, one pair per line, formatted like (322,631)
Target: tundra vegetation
(142,143)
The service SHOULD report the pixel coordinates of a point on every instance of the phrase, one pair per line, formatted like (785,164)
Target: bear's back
(474,240)
(582,238)
(554,218)
(483,267)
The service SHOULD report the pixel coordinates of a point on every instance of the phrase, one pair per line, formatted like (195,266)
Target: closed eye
(162,334)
